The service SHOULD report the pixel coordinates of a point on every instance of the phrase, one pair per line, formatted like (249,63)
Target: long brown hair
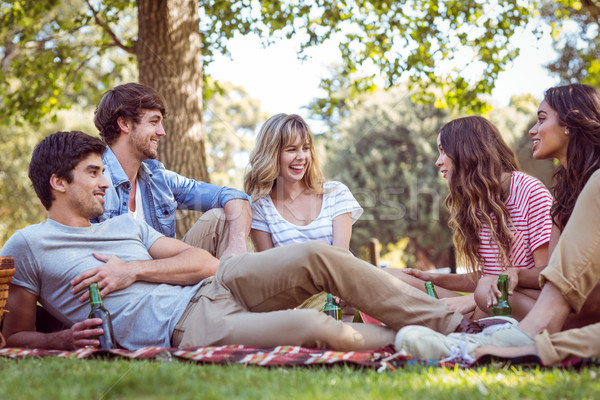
(578,109)
(480,157)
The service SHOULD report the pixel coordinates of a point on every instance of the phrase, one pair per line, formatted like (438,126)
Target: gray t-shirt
(49,255)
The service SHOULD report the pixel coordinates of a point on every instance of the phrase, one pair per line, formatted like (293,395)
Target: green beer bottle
(107,340)
(430,289)
(503,307)
(331,308)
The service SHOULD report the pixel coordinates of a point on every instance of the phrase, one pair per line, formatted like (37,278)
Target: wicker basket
(7,270)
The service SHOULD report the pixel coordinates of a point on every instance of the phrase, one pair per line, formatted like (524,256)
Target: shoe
(425,343)
(421,342)
(480,324)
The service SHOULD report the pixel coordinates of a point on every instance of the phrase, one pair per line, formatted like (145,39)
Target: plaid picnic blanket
(379,360)
(267,357)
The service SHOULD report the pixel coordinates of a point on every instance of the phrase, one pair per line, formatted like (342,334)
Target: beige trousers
(250,301)
(574,268)
(210,232)
(560,346)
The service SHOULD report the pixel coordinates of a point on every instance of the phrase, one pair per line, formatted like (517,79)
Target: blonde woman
(292,202)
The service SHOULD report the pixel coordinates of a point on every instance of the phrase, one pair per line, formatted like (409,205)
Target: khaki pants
(574,268)
(210,232)
(250,302)
(560,346)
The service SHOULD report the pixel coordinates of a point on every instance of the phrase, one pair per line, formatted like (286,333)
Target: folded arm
(173,262)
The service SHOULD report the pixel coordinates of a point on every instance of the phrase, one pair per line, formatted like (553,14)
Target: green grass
(54,378)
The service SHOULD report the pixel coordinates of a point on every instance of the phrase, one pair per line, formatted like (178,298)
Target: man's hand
(114,275)
(82,334)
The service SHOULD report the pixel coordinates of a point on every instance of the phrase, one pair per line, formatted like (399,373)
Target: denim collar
(117,174)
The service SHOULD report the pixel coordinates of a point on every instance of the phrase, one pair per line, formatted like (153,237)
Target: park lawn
(54,378)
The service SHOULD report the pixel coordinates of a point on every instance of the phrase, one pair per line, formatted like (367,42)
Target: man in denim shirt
(129,118)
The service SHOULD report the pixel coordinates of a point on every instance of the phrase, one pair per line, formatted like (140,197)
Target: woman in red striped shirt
(500,218)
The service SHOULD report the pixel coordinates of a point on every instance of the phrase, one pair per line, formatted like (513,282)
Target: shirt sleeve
(538,216)
(26,266)
(149,235)
(345,202)
(201,196)
(259,218)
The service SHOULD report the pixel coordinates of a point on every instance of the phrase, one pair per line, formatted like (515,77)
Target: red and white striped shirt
(529,205)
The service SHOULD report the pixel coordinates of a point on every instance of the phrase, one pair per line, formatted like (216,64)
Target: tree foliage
(231,117)
(19,205)
(458,46)
(53,56)
(514,122)
(576,32)
(71,49)
(385,151)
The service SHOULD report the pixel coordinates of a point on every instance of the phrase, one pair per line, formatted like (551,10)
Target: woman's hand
(513,278)
(488,287)
(417,273)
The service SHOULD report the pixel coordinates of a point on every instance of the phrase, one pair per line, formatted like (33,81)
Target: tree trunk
(169,57)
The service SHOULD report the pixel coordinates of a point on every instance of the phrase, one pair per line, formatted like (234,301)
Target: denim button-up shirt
(162,192)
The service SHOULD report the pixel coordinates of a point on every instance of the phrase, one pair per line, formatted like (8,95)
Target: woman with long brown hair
(499,216)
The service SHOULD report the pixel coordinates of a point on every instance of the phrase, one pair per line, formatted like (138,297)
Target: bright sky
(283,83)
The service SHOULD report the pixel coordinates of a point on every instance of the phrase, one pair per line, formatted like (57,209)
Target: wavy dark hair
(480,158)
(578,109)
(59,154)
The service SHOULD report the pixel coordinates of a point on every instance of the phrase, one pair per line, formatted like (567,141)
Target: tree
(231,117)
(514,122)
(18,203)
(385,151)
(57,53)
(575,28)
(19,206)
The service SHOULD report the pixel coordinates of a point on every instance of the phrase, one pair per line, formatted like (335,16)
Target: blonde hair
(276,133)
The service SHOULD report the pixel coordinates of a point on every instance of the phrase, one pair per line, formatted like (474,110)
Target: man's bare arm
(174,262)
(239,218)
(19,326)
